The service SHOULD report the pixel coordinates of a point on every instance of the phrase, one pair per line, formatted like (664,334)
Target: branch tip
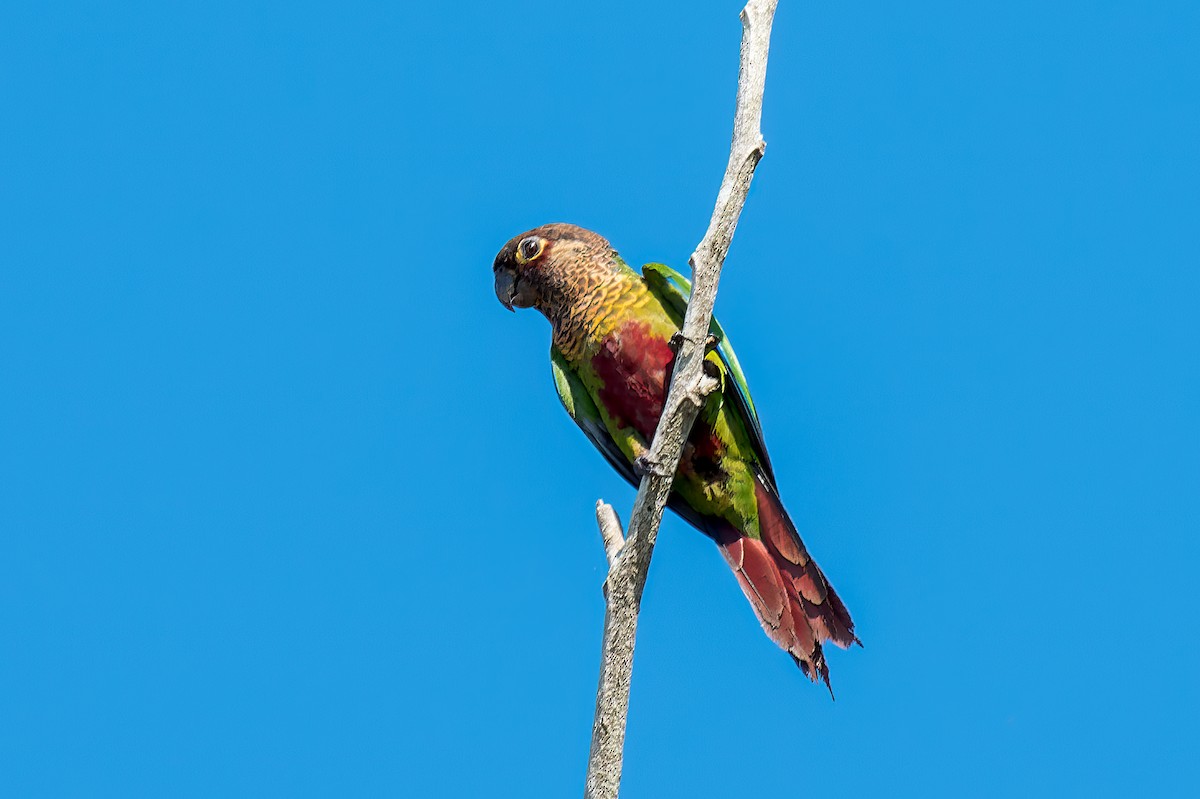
(610,531)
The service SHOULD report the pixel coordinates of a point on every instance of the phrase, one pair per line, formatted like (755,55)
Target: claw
(711,342)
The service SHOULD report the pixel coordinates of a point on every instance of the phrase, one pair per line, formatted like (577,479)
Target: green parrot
(611,355)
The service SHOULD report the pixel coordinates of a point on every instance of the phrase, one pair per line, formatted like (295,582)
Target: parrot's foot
(711,342)
(643,465)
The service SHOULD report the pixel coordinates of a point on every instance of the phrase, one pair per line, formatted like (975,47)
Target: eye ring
(530,248)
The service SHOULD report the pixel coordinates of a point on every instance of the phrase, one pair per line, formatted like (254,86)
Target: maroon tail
(796,605)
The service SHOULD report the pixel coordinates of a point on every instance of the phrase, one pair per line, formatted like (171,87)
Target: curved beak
(506,287)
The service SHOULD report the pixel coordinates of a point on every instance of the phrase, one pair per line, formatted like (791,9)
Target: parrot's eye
(530,248)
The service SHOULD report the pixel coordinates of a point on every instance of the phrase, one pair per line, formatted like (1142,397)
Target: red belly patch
(634,364)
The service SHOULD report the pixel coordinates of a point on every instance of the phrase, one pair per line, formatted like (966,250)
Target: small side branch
(610,530)
(629,557)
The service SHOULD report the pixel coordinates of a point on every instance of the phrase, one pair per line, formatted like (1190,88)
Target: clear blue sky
(287,503)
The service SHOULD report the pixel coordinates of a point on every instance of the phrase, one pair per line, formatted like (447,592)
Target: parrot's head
(549,266)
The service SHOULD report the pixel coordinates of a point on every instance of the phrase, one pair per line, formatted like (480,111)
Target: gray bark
(629,557)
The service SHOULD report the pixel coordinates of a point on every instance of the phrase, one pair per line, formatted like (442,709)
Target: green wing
(673,289)
(579,404)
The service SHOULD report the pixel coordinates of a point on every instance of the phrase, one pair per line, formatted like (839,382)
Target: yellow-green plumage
(611,357)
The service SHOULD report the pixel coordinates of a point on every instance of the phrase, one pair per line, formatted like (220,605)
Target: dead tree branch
(629,558)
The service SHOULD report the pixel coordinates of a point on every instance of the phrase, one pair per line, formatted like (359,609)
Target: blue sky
(288,505)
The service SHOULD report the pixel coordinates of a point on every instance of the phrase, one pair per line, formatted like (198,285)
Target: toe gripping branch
(711,342)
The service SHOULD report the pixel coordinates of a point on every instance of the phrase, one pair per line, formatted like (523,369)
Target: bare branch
(630,563)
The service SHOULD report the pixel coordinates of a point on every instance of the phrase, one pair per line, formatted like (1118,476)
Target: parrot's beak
(506,287)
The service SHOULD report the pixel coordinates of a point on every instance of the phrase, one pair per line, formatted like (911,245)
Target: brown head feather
(564,271)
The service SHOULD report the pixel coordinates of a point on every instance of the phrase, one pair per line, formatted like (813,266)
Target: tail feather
(764,585)
(796,605)
(822,606)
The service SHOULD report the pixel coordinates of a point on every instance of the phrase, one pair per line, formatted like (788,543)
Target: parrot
(611,355)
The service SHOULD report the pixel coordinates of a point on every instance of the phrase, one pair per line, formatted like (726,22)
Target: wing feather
(673,289)
(579,404)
